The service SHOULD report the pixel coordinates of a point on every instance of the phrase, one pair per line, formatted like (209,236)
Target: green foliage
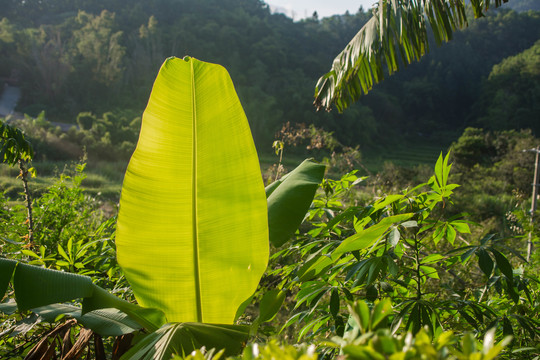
(510,95)
(367,339)
(289,199)
(184,338)
(64,246)
(495,172)
(407,248)
(66,52)
(396,35)
(14,145)
(272,350)
(99,45)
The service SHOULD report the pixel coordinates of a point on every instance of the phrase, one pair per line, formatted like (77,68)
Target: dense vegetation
(101,56)
(424,262)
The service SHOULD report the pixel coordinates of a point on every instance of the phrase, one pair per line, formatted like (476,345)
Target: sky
(299,9)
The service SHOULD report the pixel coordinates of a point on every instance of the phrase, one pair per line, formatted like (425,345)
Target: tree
(511,96)
(15,149)
(100,46)
(395,36)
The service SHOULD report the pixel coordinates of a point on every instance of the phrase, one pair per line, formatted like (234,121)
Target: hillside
(100,56)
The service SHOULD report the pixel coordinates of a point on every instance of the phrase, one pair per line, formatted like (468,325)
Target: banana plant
(192,231)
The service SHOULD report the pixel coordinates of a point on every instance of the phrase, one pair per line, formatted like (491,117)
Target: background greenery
(452,260)
(100,57)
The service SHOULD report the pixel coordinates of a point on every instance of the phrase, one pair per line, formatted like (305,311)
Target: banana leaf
(105,322)
(192,231)
(36,287)
(183,338)
(289,199)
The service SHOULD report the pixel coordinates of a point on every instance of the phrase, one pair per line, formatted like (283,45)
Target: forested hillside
(101,56)
(218,250)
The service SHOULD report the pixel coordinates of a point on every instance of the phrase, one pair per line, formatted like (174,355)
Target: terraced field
(405,155)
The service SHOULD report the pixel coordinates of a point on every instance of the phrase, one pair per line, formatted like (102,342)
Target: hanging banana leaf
(192,233)
(395,36)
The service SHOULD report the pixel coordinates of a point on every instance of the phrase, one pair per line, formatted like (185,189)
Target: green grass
(405,155)
(104,179)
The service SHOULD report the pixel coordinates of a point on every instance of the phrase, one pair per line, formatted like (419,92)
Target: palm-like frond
(395,36)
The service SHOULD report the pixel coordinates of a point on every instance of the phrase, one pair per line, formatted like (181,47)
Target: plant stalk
(418,273)
(28,200)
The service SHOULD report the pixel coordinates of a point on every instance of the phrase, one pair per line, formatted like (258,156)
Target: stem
(418,273)
(533,203)
(27,199)
(484,291)
(279,164)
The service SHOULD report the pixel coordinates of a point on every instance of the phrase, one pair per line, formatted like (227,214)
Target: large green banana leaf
(192,233)
(36,287)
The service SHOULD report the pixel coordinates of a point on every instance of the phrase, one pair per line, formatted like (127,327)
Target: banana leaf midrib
(196,262)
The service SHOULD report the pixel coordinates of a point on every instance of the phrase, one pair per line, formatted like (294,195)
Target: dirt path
(8,100)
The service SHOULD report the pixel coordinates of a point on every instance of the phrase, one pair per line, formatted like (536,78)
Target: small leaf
(430,272)
(334,303)
(485,262)
(372,293)
(433,258)
(489,340)
(393,237)
(30,253)
(503,264)
(62,252)
(409,224)
(361,314)
(270,304)
(381,310)
(461,226)
(450,234)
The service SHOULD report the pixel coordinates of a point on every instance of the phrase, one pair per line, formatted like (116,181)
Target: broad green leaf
(381,310)
(367,237)
(36,287)
(289,199)
(183,338)
(361,314)
(485,262)
(314,267)
(429,271)
(461,226)
(192,232)
(6,271)
(106,322)
(270,304)
(432,258)
(503,264)
(334,303)
(394,236)
(450,234)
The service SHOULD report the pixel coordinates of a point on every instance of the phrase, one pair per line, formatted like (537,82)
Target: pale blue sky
(303,8)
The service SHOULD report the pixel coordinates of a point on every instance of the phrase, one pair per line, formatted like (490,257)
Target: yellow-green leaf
(192,233)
